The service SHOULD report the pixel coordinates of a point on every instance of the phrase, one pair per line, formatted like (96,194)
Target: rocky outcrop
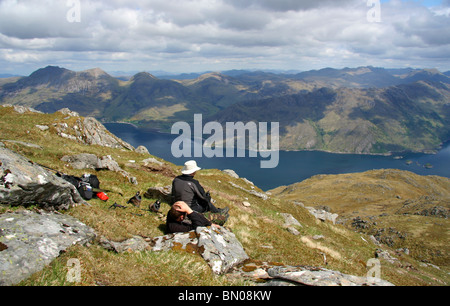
(278,274)
(91,161)
(320,277)
(218,246)
(290,223)
(88,131)
(25,183)
(134,244)
(258,194)
(22,109)
(322,214)
(32,240)
(94,133)
(161,193)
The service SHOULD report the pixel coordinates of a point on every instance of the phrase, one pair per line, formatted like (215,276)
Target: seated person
(176,219)
(185,188)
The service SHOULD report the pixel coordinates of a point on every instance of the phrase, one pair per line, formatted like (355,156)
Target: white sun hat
(190,167)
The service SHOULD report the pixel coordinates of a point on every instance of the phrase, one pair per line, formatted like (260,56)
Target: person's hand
(183,208)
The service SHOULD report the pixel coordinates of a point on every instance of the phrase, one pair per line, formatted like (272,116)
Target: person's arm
(196,218)
(175,227)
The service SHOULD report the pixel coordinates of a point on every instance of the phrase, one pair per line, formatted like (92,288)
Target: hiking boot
(224,210)
(216,218)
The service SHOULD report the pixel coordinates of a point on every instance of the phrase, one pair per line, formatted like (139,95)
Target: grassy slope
(257,227)
(387,199)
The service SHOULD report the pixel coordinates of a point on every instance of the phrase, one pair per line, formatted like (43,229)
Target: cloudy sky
(203,35)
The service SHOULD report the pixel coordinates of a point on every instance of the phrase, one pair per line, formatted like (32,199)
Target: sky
(181,36)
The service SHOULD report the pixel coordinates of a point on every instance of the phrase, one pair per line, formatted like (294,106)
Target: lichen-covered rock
(25,183)
(322,277)
(32,240)
(162,193)
(323,215)
(94,133)
(218,246)
(134,244)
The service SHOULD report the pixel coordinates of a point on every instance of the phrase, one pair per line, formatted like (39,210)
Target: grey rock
(322,277)
(142,150)
(437,211)
(231,173)
(135,244)
(94,133)
(289,220)
(218,246)
(42,127)
(293,231)
(34,240)
(323,215)
(26,183)
(221,250)
(83,161)
(258,194)
(150,161)
(91,161)
(187,242)
(160,193)
(380,253)
(68,112)
(23,109)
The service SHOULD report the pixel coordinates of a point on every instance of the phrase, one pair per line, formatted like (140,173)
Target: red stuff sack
(102,196)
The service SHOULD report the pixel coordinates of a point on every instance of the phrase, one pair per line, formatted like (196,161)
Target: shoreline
(387,154)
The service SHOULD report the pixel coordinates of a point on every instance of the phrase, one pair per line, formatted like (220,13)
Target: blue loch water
(293,166)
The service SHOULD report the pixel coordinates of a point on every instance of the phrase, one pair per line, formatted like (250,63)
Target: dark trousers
(207,207)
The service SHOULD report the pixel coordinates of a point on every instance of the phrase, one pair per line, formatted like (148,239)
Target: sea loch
(293,166)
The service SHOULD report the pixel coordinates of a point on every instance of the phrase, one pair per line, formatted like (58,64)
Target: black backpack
(84,185)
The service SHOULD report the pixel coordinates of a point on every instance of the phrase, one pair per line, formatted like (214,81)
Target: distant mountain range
(356,110)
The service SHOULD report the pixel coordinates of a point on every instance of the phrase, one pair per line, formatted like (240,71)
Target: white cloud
(197,35)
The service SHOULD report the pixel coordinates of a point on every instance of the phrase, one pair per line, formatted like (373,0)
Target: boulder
(25,183)
(160,193)
(323,215)
(142,150)
(291,223)
(231,173)
(322,277)
(33,240)
(134,244)
(289,220)
(258,194)
(218,246)
(68,112)
(83,161)
(91,161)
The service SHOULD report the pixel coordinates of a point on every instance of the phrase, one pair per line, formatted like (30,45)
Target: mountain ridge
(364,102)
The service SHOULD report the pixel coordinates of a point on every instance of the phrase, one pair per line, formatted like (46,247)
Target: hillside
(357,110)
(412,117)
(399,208)
(259,224)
